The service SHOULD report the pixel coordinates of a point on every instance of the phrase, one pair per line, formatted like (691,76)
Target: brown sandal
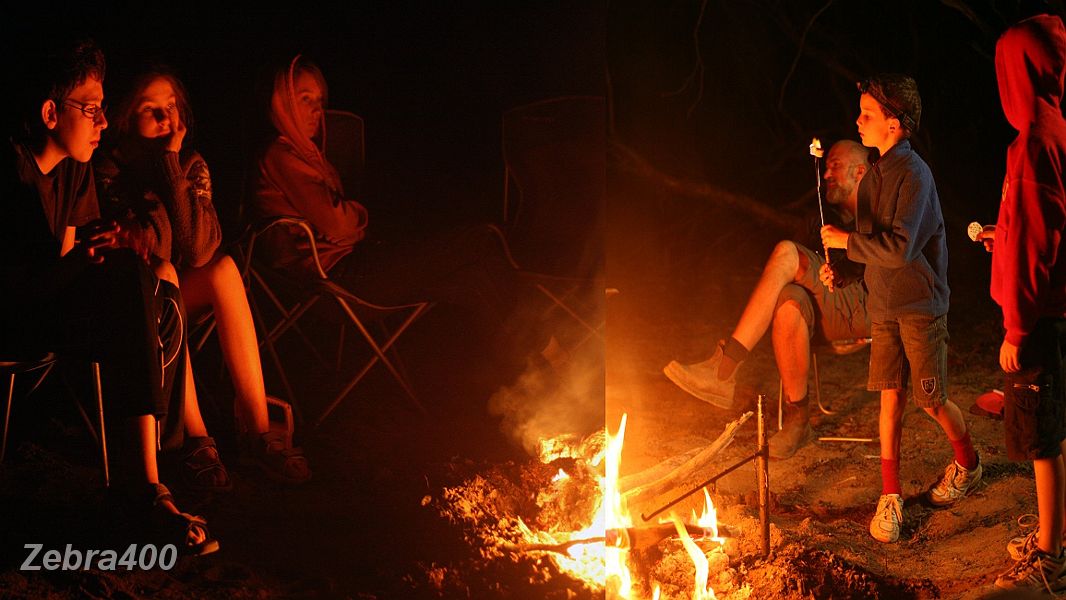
(278,460)
(200,467)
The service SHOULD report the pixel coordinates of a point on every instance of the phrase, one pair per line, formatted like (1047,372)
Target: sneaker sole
(719,401)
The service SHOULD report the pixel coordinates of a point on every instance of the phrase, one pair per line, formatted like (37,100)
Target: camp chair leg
(103,430)
(379,355)
(274,358)
(818,386)
(288,317)
(7,414)
(594,330)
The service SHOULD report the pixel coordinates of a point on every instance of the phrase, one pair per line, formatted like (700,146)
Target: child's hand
(96,237)
(177,130)
(131,235)
(1008,357)
(826,276)
(987,236)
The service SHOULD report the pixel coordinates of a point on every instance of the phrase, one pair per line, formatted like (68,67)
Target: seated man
(791,294)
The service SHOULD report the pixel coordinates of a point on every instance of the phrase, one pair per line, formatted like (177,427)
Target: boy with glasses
(900,237)
(68,286)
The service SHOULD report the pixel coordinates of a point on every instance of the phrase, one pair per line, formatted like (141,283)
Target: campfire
(568,517)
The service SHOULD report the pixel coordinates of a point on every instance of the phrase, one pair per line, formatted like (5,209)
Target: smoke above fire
(544,403)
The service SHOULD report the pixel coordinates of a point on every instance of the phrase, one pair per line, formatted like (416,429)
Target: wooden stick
(690,467)
(626,537)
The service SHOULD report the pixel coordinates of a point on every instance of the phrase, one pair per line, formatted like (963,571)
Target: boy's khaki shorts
(914,345)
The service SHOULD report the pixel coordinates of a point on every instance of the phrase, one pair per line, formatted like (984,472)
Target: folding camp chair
(835,348)
(42,366)
(554,154)
(346,149)
(270,282)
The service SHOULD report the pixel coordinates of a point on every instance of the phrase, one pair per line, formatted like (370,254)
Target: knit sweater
(169,197)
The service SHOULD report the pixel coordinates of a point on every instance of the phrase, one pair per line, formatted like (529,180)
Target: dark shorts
(830,316)
(914,345)
(1034,409)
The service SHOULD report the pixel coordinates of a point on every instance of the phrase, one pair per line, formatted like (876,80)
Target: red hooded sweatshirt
(1028,260)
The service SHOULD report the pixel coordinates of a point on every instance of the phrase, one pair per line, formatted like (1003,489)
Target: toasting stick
(817,153)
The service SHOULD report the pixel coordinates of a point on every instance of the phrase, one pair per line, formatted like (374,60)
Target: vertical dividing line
(762,475)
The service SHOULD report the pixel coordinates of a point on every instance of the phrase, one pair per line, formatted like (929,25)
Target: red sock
(890,476)
(964,453)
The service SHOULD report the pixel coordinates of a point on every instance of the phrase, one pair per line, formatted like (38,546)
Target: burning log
(687,470)
(624,537)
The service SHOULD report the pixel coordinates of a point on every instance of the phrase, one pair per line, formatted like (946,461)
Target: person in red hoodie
(1029,284)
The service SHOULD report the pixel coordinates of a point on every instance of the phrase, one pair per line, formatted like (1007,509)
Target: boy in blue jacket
(900,237)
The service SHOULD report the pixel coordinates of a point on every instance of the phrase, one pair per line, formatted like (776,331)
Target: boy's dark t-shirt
(37,209)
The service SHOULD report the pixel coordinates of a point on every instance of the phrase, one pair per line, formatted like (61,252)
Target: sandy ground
(822,498)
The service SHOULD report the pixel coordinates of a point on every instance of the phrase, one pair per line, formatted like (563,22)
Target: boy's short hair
(52,75)
(898,96)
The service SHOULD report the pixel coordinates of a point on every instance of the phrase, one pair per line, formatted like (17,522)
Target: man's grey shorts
(830,316)
(916,345)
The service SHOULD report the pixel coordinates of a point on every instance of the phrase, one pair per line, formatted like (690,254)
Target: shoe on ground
(200,468)
(277,459)
(888,518)
(701,380)
(1035,571)
(956,483)
(797,433)
(1018,547)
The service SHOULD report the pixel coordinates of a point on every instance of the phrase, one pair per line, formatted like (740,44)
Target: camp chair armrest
(263,225)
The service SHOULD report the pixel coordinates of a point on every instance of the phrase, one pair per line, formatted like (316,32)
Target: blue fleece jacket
(900,237)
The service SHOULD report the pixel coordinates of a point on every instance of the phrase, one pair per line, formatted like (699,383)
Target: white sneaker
(887,519)
(1035,571)
(701,380)
(955,484)
(1021,545)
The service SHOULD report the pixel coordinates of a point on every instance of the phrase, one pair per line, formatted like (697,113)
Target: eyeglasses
(95,112)
(867,86)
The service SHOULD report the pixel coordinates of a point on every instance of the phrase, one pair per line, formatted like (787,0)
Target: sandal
(178,528)
(276,458)
(200,467)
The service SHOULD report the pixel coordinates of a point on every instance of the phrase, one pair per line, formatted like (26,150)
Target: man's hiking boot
(796,433)
(701,380)
(1021,545)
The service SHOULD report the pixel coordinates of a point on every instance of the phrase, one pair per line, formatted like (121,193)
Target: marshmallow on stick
(817,152)
(816,148)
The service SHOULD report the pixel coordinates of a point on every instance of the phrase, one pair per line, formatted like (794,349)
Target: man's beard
(837,194)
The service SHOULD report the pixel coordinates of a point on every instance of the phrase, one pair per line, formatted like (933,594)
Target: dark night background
(731,108)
